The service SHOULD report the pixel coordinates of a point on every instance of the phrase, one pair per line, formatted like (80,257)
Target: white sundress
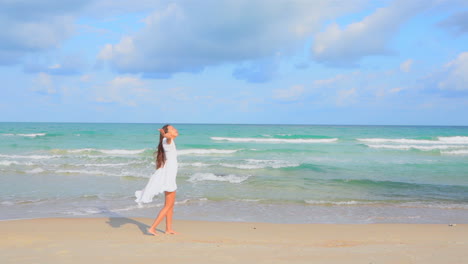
(163,179)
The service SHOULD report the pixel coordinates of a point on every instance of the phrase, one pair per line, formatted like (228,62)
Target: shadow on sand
(116,221)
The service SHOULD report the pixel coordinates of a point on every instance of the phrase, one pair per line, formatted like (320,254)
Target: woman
(163,179)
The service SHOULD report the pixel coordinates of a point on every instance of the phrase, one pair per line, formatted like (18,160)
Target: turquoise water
(268,173)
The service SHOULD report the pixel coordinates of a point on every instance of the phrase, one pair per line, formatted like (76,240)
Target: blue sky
(378,62)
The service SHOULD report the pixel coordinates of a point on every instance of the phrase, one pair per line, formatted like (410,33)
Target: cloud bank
(35,26)
(337,46)
(188,36)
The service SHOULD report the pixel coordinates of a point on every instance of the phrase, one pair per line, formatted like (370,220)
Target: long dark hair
(161,156)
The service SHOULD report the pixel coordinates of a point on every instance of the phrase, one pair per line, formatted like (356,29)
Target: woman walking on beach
(163,179)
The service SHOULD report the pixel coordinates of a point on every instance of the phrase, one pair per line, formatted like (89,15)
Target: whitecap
(440,140)
(205,151)
(29,156)
(276,140)
(212,177)
(32,135)
(108,164)
(35,171)
(26,135)
(91,172)
(454,140)
(260,164)
(352,202)
(194,164)
(8,162)
(122,151)
(434,205)
(250,200)
(408,147)
(84,211)
(107,151)
(455,152)
(99,172)
(397,140)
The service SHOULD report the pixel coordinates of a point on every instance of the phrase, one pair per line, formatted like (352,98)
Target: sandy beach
(124,240)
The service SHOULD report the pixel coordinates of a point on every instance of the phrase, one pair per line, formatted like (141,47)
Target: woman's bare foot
(152,231)
(171,232)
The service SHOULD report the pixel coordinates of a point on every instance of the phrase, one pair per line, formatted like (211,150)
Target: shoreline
(246,211)
(124,240)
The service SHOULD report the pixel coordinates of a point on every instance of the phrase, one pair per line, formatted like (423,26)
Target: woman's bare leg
(169,203)
(170,213)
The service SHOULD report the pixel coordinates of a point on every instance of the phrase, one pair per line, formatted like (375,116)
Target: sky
(362,62)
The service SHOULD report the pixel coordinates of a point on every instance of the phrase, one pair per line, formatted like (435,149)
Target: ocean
(254,173)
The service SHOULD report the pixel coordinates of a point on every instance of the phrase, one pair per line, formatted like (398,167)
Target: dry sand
(124,240)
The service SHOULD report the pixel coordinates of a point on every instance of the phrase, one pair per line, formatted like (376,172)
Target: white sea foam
(122,151)
(338,202)
(194,164)
(250,200)
(434,205)
(455,152)
(404,205)
(99,172)
(205,151)
(8,162)
(32,135)
(108,164)
(440,140)
(26,135)
(454,140)
(75,150)
(27,201)
(393,217)
(29,156)
(35,170)
(107,151)
(408,147)
(276,140)
(260,164)
(212,177)
(91,172)
(84,211)
(456,144)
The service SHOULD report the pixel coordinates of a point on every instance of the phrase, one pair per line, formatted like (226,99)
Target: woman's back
(170,151)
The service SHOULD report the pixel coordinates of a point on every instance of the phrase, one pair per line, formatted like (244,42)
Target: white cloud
(359,88)
(178,93)
(33,26)
(188,36)
(123,90)
(43,84)
(396,90)
(85,78)
(60,65)
(406,65)
(345,97)
(457,23)
(332,80)
(293,93)
(346,46)
(456,78)
(117,7)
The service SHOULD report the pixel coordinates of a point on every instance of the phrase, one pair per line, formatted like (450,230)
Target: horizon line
(266,124)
